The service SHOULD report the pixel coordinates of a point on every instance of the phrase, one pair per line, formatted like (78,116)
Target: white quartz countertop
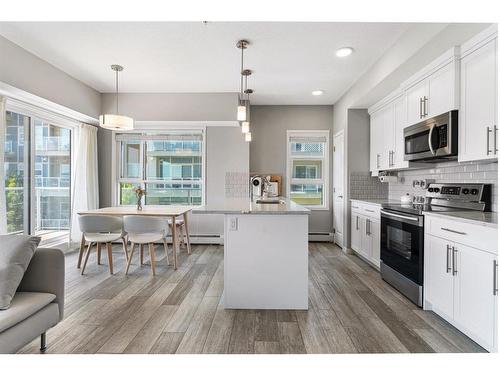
(377,202)
(489,219)
(244,206)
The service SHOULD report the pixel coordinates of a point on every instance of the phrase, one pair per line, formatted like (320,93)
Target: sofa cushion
(24,304)
(15,255)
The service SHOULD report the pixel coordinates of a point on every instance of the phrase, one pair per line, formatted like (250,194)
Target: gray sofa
(38,303)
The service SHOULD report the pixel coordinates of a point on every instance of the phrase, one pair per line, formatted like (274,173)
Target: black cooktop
(418,209)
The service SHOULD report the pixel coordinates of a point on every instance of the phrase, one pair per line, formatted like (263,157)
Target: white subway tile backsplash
(237,184)
(471,172)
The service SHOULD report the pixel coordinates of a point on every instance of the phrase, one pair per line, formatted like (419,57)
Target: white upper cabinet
(398,155)
(434,90)
(386,135)
(415,97)
(478,127)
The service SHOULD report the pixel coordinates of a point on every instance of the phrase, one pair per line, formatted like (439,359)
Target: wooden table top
(146,211)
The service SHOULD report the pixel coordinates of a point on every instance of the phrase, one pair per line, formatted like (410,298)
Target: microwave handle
(430,139)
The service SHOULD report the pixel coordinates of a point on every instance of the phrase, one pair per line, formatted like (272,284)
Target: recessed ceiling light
(344,51)
(317,92)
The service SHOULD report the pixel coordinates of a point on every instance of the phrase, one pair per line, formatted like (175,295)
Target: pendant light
(116,121)
(242,108)
(245,125)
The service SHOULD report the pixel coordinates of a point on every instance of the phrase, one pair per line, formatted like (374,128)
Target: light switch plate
(233,224)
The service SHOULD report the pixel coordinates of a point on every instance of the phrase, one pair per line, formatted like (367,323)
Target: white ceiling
(289,60)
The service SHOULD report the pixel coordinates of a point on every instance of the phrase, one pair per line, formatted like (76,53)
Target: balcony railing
(52,143)
(53,182)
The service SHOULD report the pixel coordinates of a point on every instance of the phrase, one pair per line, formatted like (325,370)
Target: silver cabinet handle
(454,260)
(453,231)
(357,222)
(448,267)
(425,106)
(367,210)
(495,129)
(488,131)
(495,277)
(355,207)
(378,161)
(367,227)
(421,112)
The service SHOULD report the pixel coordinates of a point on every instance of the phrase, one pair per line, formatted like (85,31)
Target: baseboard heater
(320,237)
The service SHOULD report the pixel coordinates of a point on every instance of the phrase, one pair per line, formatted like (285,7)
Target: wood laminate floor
(351,310)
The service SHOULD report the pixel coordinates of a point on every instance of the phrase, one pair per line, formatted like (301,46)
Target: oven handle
(430,139)
(400,216)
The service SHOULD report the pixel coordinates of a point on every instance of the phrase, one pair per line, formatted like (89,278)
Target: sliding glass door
(16,172)
(52,179)
(37,175)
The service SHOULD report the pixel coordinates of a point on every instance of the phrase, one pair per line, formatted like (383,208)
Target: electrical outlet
(233,224)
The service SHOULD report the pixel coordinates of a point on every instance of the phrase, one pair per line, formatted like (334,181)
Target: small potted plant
(139,193)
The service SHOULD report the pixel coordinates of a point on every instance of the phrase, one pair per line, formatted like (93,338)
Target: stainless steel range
(402,232)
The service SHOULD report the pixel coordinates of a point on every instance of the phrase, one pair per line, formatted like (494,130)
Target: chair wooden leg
(165,247)
(86,257)
(186,228)
(132,248)
(181,231)
(82,251)
(142,254)
(124,241)
(110,257)
(98,253)
(152,257)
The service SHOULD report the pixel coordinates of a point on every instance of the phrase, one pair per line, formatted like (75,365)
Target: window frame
(325,166)
(143,181)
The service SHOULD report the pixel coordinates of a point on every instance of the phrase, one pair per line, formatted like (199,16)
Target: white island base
(266,261)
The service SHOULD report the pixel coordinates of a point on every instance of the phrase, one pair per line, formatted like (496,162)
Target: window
(168,165)
(307,172)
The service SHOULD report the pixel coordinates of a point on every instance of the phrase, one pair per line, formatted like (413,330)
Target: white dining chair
(100,229)
(143,230)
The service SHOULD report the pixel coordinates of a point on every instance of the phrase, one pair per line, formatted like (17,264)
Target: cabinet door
(414,108)
(439,276)
(443,91)
(399,125)
(387,146)
(355,231)
(478,104)
(373,241)
(474,295)
(376,139)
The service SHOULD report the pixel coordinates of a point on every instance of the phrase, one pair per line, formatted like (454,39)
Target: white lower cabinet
(460,285)
(365,232)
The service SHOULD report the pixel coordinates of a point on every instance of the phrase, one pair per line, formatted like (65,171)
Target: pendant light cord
(241,74)
(116,71)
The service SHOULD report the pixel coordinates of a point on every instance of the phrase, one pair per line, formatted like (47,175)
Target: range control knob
(430,190)
(436,190)
(465,191)
(474,191)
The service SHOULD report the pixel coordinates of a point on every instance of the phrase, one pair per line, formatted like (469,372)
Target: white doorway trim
(338,193)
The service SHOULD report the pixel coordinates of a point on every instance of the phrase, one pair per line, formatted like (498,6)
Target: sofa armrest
(45,274)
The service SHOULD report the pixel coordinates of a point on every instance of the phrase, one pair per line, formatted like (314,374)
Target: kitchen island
(265,254)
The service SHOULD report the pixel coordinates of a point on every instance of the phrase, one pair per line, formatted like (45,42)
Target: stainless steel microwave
(433,139)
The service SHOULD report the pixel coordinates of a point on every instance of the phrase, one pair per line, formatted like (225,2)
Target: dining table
(170,212)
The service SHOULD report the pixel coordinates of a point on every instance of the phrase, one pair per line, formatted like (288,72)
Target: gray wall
(174,106)
(268,147)
(25,71)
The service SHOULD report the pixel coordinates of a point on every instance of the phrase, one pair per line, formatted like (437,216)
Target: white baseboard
(320,237)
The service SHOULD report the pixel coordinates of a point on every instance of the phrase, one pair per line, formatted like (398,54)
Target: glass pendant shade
(245,127)
(242,112)
(248,137)
(116,122)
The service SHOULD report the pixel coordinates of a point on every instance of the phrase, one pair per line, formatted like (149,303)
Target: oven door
(402,244)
